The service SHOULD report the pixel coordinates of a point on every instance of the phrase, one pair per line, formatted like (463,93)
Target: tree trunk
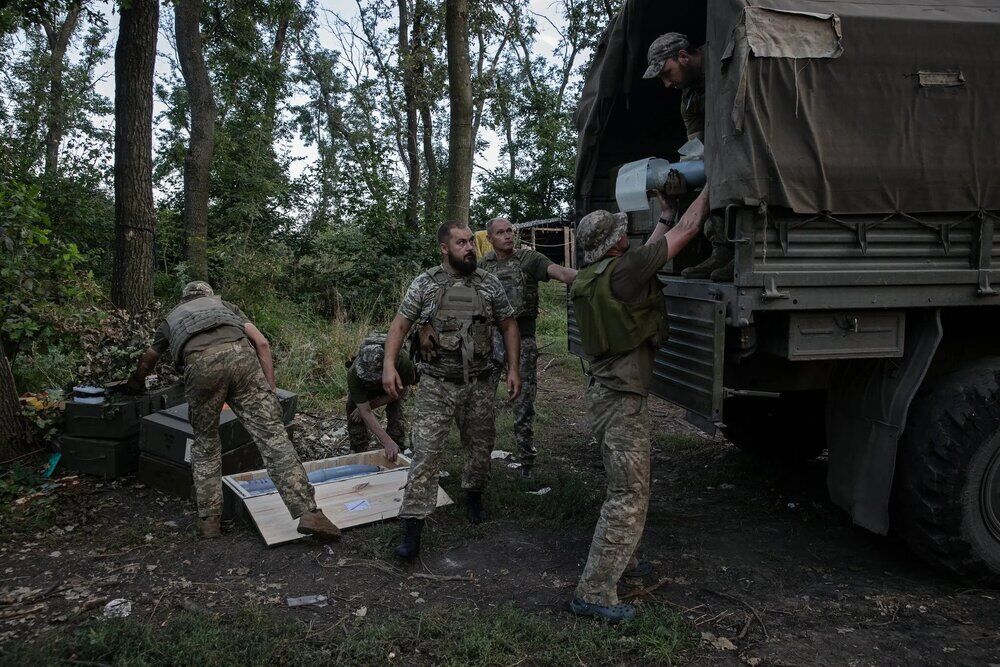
(460,123)
(58,38)
(11,428)
(277,76)
(198,161)
(135,214)
(420,54)
(407,59)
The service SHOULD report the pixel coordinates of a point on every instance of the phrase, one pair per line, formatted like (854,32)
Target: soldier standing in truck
(622,316)
(457,307)
(673,61)
(519,272)
(226,359)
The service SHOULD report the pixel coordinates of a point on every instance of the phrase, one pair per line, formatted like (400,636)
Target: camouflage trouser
(437,405)
(395,426)
(231,373)
(524,405)
(620,423)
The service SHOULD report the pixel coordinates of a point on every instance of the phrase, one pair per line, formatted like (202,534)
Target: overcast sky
(546,42)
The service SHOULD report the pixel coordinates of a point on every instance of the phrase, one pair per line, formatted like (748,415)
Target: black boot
(410,546)
(474,506)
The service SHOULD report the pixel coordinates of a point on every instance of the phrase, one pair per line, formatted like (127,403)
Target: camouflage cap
(368,363)
(664,47)
(196,289)
(598,232)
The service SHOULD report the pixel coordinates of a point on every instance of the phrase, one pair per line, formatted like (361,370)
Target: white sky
(305,155)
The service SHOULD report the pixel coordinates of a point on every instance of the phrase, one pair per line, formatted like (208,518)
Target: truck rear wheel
(791,427)
(946,496)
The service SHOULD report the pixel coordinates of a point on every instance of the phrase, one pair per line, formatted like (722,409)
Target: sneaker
(618,613)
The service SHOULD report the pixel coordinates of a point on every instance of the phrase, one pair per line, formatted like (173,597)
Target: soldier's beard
(464,266)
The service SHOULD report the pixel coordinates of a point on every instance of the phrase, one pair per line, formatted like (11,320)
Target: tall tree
(460,122)
(11,428)
(201,145)
(58,36)
(408,66)
(423,58)
(135,215)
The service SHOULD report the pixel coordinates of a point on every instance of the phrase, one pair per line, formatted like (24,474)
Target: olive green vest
(193,317)
(521,292)
(463,325)
(609,326)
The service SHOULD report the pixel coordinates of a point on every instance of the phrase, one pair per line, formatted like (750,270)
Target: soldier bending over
(226,359)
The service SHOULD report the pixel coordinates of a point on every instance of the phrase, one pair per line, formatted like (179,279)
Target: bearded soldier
(620,309)
(672,60)
(226,359)
(519,272)
(457,307)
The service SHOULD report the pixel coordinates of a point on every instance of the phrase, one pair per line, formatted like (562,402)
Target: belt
(460,380)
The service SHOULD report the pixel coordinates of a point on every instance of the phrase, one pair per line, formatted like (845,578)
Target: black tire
(791,428)
(946,495)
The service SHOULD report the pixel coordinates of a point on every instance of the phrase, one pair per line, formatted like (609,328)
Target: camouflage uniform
(520,274)
(231,373)
(444,396)
(622,318)
(364,383)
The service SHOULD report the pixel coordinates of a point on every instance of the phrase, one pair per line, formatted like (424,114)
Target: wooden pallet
(349,502)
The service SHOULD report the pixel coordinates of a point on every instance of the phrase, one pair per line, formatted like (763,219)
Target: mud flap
(866,413)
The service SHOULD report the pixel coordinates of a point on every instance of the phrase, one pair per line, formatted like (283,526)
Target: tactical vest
(521,292)
(194,317)
(463,325)
(609,326)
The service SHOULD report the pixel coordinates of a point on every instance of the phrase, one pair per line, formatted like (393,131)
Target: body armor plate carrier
(194,317)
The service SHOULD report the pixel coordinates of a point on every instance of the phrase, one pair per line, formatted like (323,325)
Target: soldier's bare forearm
(145,366)
(689,225)
(394,341)
(511,342)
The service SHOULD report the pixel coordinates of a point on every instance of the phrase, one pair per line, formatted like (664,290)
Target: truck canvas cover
(872,106)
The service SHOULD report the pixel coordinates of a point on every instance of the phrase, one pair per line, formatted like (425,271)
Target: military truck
(852,150)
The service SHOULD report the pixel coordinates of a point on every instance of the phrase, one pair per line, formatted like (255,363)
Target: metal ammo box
(118,418)
(101,457)
(176,479)
(167,435)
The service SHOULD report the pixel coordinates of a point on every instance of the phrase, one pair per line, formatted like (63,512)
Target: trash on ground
(540,492)
(118,608)
(514,466)
(318,600)
(499,454)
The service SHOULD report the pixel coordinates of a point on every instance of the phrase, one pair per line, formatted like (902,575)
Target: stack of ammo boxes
(102,429)
(165,446)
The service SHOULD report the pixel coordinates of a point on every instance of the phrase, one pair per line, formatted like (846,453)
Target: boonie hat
(664,47)
(598,231)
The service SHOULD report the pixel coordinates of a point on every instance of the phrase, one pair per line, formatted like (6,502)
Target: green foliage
(503,635)
(40,514)
(38,271)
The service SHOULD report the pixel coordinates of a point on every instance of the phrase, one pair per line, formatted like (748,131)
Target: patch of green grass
(503,635)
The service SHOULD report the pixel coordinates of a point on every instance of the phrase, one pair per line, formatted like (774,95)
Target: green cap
(664,47)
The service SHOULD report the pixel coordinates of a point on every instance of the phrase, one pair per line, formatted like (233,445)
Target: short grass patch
(502,635)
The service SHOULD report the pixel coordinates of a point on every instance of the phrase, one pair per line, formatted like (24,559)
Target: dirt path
(762,567)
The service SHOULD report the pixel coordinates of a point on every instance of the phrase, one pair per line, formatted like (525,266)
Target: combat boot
(721,257)
(316,523)
(409,548)
(724,274)
(210,527)
(474,506)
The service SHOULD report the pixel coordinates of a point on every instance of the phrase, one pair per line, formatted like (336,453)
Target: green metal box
(101,457)
(118,417)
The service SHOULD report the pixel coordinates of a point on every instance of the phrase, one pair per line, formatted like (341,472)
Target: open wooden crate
(348,502)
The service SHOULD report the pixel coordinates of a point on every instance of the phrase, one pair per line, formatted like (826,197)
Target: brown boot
(724,274)
(722,256)
(316,524)
(210,527)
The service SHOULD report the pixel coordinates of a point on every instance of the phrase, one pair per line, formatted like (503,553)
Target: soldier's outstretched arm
(689,225)
(390,446)
(562,273)
(512,344)
(391,382)
(263,348)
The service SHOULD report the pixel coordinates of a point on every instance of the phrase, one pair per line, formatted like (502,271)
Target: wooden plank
(349,502)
